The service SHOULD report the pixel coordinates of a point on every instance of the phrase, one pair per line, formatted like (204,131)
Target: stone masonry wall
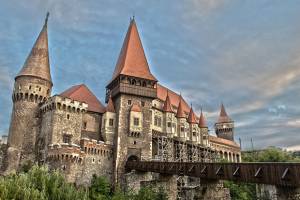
(124,143)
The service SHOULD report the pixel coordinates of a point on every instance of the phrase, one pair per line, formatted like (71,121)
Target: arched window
(133,82)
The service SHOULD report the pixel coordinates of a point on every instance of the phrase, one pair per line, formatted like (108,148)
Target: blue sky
(243,53)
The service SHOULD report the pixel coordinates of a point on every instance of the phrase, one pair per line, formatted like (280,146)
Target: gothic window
(68,116)
(136,121)
(111,122)
(67,138)
(129,102)
(155,121)
(84,125)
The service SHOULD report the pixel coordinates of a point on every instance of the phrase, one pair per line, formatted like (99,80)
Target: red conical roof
(180,113)
(132,59)
(202,121)
(136,108)
(192,118)
(223,117)
(83,94)
(167,105)
(110,106)
(37,62)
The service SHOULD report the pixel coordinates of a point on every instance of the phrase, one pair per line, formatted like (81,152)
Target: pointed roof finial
(46,19)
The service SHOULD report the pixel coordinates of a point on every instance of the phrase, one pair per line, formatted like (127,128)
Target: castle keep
(142,120)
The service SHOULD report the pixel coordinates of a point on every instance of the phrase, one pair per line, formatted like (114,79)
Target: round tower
(32,87)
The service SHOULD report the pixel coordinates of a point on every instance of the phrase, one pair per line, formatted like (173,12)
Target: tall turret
(225,126)
(132,90)
(194,133)
(181,121)
(32,87)
(203,129)
(169,117)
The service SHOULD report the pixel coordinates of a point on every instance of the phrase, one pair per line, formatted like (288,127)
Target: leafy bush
(40,184)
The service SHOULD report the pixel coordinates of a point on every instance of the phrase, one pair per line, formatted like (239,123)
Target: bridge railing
(281,174)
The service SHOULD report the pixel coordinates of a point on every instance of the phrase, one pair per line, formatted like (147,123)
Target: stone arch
(133,158)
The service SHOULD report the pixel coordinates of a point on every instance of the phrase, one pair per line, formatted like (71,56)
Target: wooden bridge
(279,174)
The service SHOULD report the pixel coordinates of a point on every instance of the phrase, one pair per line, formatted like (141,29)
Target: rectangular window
(182,128)
(129,102)
(84,125)
(67,138)
(169,124)
(194,134)
(111,122)
(136,121)
(155,121)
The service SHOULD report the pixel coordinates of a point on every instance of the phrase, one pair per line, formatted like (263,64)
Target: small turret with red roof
(225,126)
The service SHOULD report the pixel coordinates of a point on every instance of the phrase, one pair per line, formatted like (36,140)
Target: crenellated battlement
(65,152)
(63,103)
(90,146)
(28,96)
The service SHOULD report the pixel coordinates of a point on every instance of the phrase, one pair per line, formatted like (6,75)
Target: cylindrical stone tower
(32,87)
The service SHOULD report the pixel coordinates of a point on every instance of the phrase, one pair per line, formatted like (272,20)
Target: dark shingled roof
(37,62)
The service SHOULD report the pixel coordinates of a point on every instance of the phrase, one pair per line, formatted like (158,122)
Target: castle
(142,120)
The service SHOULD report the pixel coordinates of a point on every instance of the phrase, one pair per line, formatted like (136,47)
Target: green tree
(99,189)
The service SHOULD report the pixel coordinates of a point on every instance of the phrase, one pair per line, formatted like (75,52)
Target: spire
(110,106)
(192,117)
(167,105)
(202,121)
(180,113)
(223,117)
(37,62)
(132,59)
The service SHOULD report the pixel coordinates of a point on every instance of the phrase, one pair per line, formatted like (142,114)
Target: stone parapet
(63,103)
(65,152)
(90,146)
